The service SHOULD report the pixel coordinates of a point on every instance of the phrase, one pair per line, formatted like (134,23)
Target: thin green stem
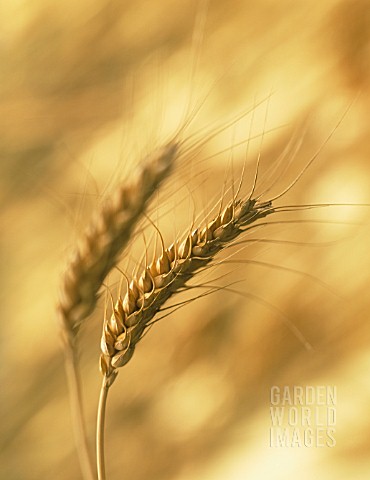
(100,426)
(74,385)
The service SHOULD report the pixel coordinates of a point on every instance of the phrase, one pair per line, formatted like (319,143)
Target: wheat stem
(74,387)
(100,427)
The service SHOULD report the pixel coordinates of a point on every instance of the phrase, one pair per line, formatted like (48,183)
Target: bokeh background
(87,88)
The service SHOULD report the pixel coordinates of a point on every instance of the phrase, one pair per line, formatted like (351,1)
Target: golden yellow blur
(87,88)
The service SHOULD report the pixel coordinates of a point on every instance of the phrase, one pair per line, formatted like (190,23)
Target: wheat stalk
(96,253)
(169,272)
(163,277)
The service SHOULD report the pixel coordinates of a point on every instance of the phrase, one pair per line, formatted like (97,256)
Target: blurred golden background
(86,88)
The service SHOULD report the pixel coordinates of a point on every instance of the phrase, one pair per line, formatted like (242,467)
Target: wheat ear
(107,235)
(165,276)
(95,255)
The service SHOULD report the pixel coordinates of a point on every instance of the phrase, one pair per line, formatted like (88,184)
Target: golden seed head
(198,251)
(163,264)
(129,302)
(106,345)
(120,310)
(195,236)
(166,275)
(227,214)
(121,358)
(122,341)
(172,252)
(134,288)
(146,282)
(159,281)
(185,248)
(133,319)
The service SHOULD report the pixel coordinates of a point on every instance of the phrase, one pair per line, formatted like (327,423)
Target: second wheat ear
(110,230)
(95,255)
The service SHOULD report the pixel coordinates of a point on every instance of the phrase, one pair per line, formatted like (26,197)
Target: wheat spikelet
(107,235)
(166,275)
